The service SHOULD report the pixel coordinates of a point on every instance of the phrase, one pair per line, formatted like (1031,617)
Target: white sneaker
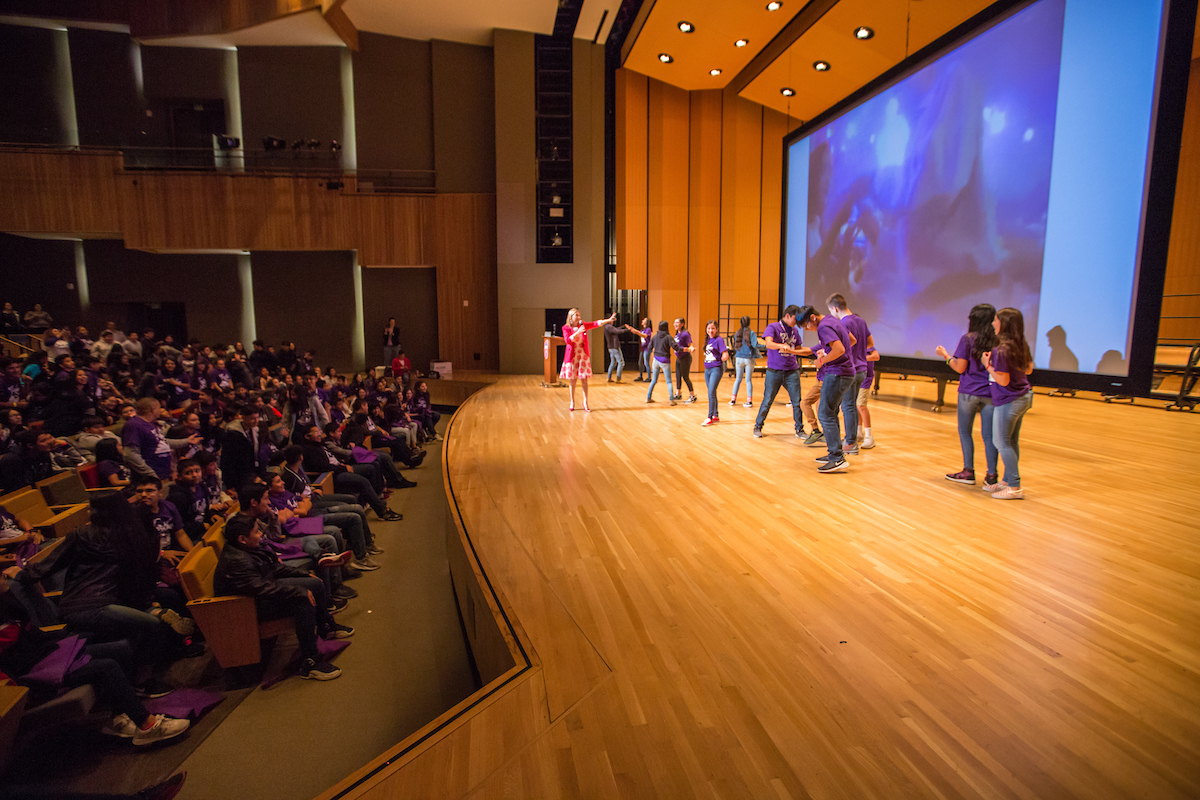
(867,443)
(748,404)
(122,726)
(1009,493)
(733,401)
(164,728)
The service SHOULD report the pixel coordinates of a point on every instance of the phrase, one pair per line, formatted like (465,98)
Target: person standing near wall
(391,341)
(745,343)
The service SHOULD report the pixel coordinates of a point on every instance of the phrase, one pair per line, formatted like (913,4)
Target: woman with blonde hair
(577,361)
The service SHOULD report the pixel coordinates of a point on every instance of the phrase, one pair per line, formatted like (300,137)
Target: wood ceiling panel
(711,45)
(902,27)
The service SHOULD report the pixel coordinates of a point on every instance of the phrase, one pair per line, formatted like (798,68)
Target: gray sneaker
(758,433)
(850,449)
(374,549)
(164,728)
(833,465)
(814,438)
(366,564)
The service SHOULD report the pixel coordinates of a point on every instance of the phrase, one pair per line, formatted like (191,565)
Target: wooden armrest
(55,594)
(230,626)
(67,509)
(53,628)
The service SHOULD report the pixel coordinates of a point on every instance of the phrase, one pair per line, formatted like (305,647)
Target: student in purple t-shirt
(835,369)
(683,360)
(860,340)
(146,450)
(1009,365)
(782,340)
(715,355)
(644,356)
(974,393)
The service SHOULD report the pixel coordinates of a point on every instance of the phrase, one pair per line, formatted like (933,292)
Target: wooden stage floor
(710,617)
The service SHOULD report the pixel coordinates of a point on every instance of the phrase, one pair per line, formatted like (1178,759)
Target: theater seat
(230,622)
(69,488)
(51,521)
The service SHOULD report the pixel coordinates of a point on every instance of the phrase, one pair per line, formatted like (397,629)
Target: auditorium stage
(704,615)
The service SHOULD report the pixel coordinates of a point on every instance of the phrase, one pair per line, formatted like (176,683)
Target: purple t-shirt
(148,440)
(858,351)
(683,339)
(870,369)
(165,523)
(107,469)
(713,348)
(829,330)
(286,499)
(1018,381)
(781,333)
(975,381)
(649,332)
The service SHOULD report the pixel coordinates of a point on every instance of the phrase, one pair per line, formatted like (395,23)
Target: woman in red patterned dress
(577,361)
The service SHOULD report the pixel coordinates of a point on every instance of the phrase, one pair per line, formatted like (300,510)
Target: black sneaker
(822,459)
(391,516)
(406,484)
(350,573)
(318,670)
(691,399)
(833,466)
(990,479)
(758,433)
(336,631)
(154,688)
(344,592)
(337,604)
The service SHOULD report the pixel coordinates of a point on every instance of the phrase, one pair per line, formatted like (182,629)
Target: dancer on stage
(1009,365)
(683,360)
(644,356)
(974,393)
(836,373)
(861,339)
(782,340)
(716,355)
(747,351)
(577,361)
(660,361)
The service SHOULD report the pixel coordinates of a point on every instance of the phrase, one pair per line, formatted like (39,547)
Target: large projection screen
(1013,166)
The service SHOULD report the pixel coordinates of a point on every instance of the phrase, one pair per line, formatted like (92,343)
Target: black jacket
(256,573)
(93,568)
(239,462)
(195,515)
(318,459)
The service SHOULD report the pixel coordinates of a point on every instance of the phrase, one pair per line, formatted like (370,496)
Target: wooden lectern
(550,359)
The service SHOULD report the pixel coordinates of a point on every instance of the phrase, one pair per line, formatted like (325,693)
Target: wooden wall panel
(667,200)
(465,257)
(1183,257)
(631,134)
(774,128)
(48,192)
(393,230)
(741,182)
(704,211)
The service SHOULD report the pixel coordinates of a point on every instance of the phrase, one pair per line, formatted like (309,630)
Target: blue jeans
(968,406)
(615,359)
(149,637)
(351,527)
(834,389)
(790,380)
(1006,433)
(712,379)
(657,367)
(850,407)
(644,358)
(744,367)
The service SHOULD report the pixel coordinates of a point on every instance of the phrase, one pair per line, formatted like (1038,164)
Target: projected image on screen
(933,195)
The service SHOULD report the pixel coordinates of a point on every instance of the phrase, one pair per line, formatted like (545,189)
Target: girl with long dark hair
(716,355)
(683,360)
(974,393)
(745,344)
(1009,365)
(660,361)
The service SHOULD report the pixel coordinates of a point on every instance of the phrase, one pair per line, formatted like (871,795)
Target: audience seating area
(136,446)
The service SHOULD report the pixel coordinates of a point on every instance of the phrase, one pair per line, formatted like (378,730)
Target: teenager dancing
(660,361)
(716,355)
(746,351)
(1009,365)
(974,393)
(577,361)
(683,360)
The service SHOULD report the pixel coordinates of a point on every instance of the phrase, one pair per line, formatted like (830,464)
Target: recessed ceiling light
(686,27)
(787,91)
(774,5)
(664,58)
(819,66)
(863,32)
(714,72)
(741,43)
